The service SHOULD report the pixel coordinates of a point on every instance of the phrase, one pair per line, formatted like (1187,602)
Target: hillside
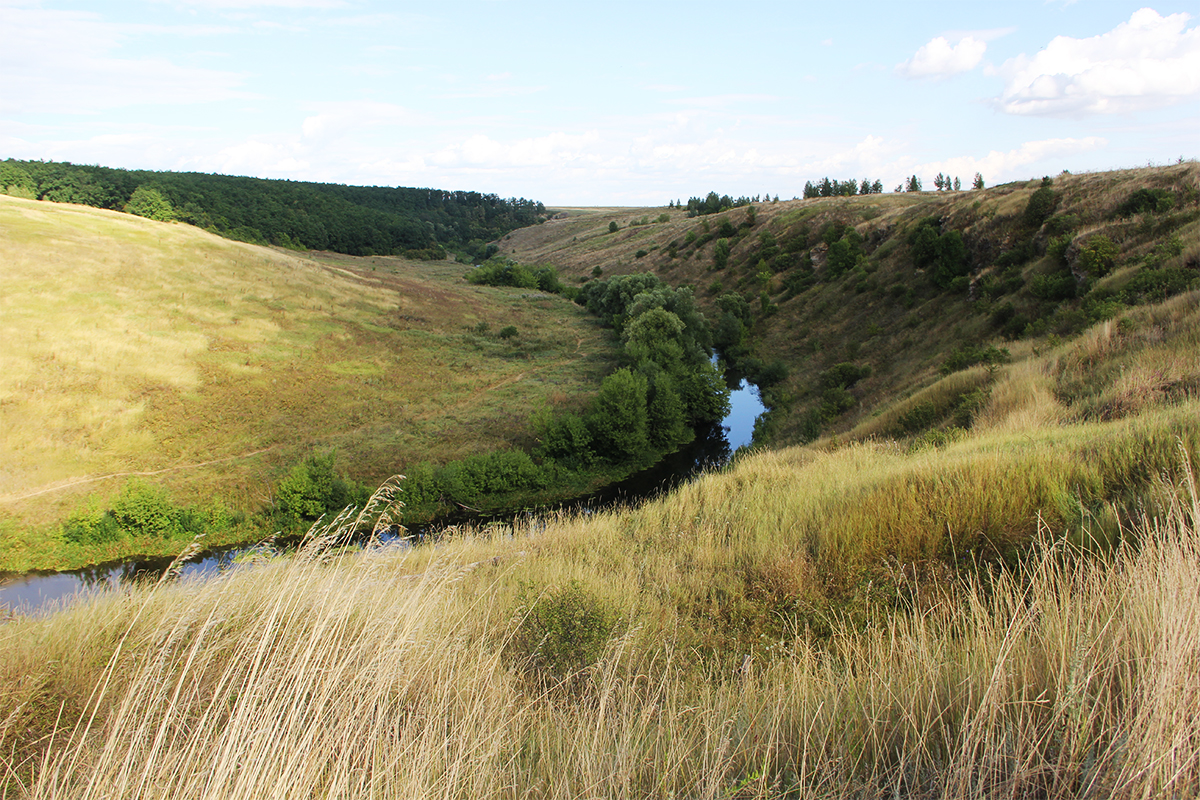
(357,220)
(823,282)
(210,367)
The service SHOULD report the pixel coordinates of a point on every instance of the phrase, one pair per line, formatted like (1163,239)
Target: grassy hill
(1032,273)
(210,367)
(976,582)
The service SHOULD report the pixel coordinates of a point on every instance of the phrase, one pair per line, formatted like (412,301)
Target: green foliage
(145,510)
(314,488)
(613,227)
(619,418)
(843,376)
(149,202)
(1154,201)
(563,437)
(508,332)
(721,253)
(1041,205)
(91,526)
(359,220)
(1098,256)
(969,355)
(943,255)
(666,413)
(641,254)
(561,633)
(500,271)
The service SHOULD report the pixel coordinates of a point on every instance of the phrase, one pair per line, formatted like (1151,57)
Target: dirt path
(9,498)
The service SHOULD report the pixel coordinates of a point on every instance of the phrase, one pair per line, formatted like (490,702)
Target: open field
(210,366)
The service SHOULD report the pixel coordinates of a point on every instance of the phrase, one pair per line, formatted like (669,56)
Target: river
(43,592)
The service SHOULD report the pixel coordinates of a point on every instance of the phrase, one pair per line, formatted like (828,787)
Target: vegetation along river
(37,592)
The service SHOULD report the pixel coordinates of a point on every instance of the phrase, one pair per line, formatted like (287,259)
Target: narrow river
(41,592)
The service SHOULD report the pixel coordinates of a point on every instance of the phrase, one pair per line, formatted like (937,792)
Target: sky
(614,103)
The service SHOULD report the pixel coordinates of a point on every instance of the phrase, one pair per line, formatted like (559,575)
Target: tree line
(357,220)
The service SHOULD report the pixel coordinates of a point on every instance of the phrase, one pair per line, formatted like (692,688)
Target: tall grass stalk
(383,673)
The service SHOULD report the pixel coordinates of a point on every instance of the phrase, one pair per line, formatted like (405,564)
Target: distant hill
(845,306)
(356,220)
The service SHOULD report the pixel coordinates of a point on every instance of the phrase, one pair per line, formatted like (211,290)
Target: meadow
(138,349)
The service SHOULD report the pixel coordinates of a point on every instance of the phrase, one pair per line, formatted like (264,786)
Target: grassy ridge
(210,367)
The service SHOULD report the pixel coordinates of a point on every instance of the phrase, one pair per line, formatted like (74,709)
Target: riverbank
(122,563)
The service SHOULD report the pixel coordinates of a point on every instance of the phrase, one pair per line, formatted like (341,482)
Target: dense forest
(358,220)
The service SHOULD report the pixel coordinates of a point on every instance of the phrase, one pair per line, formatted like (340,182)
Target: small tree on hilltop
(978,184)
(913,184)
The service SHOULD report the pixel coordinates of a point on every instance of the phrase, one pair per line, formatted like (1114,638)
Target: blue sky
(602,103)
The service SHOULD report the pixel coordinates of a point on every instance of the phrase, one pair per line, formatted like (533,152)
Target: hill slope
(134,347)
(899,284)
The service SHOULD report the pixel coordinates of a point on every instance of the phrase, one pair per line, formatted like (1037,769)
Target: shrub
(145,510)
(613,227)
(843,375)
(507,332)
(641,254)
(1041,205)
(91,526)
(971,354)
(1143,200)
(313,488)
(1098,256)
(563,632)
(721,254)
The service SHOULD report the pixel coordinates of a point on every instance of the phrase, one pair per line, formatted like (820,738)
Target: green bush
(313,488)
(562,632)
(146,510)
(843,375)
(613,227)
(1143,200)
(971,354)
(90,526)
(508,332)
(1098,256)
(1041,205)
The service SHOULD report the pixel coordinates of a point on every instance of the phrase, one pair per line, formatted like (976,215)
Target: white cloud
(999,166)
(59,62)
(1147,62)
(938,59)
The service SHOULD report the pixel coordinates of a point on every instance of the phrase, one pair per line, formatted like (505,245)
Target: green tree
(666,414)
(978,182)
(149,202)
(619,421)
(613,227)
(913,184)
(721,254)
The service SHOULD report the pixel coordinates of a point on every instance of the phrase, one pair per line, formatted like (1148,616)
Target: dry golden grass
(384,673)
(140,347)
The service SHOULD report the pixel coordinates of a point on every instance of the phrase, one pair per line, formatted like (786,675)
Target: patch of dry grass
(387,673)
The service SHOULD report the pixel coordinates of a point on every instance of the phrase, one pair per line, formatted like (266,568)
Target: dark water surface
(39,592)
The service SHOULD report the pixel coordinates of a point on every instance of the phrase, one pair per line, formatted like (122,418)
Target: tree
(618,421)
(613,227)
(149,202)
(978,184)
(939,182)
(957,184)
(721,254)
(913,184)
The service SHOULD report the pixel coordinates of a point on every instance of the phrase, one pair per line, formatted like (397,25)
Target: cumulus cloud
(938,59)
(1147,62)
(1009,164)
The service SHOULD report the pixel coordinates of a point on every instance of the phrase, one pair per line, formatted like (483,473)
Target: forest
(356,220)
